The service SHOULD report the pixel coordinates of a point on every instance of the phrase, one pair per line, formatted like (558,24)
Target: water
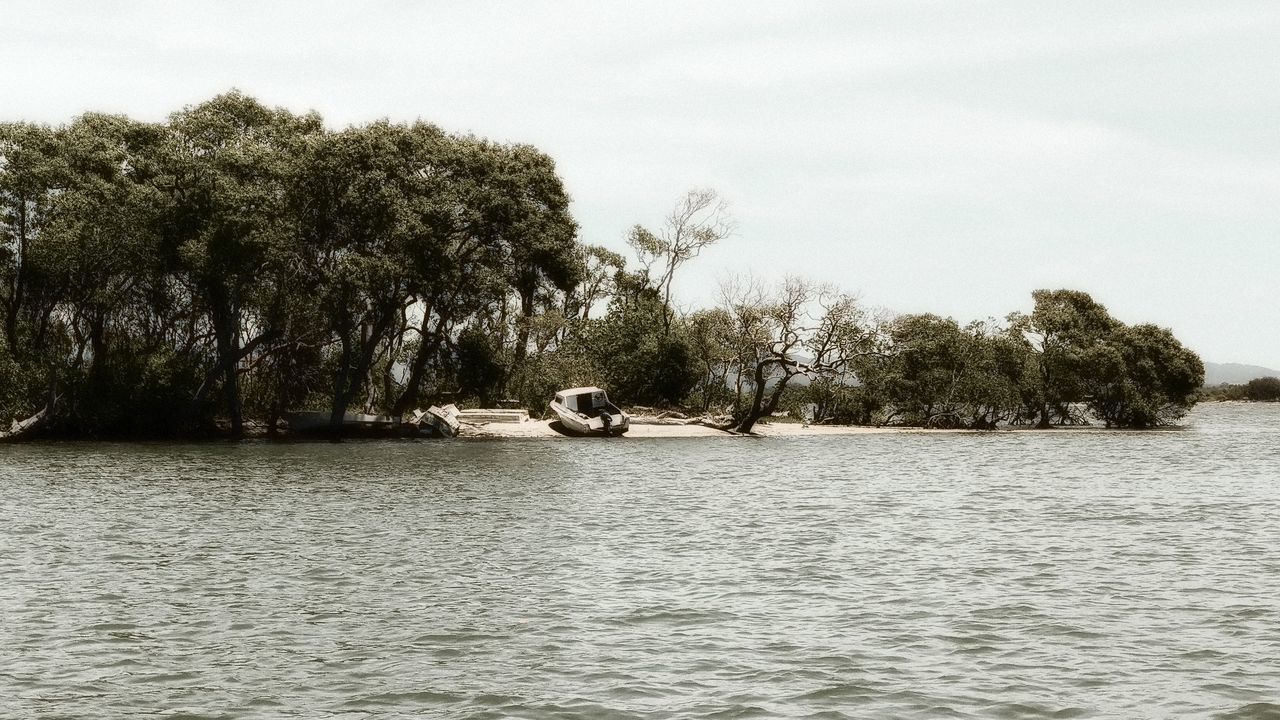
(1012,575)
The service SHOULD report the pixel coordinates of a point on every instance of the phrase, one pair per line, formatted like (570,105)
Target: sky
(945,157)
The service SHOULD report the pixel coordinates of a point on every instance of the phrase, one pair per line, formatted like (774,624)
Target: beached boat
(437,421)
(587,411)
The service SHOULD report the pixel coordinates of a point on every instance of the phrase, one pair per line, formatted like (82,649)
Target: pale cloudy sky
(931,156)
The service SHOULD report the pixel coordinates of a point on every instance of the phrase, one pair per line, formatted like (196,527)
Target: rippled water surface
(1059,574)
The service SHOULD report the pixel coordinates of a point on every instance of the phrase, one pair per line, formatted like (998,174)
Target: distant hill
(1234,373)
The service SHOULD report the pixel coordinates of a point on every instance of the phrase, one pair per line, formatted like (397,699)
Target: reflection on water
(909,575)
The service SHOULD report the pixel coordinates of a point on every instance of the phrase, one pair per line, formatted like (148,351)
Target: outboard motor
(607,419)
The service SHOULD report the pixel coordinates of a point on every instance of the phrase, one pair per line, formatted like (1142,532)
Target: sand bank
(544,429)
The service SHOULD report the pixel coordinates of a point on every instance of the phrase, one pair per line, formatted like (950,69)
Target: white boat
(587,411)
(437,421)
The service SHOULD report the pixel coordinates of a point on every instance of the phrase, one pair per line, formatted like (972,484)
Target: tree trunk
(522,331)
(98,346)
(19,279)
(226,332)
(351,376)
(428,346)
(338,408)
(1045,379)
(759,407)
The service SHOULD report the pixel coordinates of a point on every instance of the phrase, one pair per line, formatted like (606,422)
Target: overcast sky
(947,157)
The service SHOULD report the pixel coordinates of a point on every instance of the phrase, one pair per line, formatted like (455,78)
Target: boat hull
(576,424)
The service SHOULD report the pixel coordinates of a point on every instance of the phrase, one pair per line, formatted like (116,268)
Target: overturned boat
(587,411)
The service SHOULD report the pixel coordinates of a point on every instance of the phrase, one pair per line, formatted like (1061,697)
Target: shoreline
(541,429)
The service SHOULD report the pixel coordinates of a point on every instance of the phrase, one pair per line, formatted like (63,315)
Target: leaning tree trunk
(759,407)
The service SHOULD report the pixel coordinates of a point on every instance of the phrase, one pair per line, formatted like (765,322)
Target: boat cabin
(586,400)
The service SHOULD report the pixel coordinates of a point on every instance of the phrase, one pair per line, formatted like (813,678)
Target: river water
(1008,575)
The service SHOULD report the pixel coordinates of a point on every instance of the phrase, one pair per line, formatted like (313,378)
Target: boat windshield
(589,403)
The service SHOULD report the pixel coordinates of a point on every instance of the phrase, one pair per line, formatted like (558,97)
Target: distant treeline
(239,262)
(1263,389)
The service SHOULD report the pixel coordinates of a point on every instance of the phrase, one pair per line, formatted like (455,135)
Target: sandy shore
(544,429)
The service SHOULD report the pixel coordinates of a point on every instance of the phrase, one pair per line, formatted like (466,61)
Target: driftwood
(655,420)
(23,429)
(719,422)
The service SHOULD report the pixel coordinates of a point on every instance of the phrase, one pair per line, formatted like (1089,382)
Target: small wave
(1021,710)
(677,617)
(1252,711)
(420,697)
(845,692)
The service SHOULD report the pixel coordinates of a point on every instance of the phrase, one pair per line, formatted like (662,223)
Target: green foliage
(937,374)
(167,278)
(1069,356)
(1066,332)
(134,395)
(639,361)
(1144,378)
(1136,377)
(21,392)
(1224,392)
(278,264)
(482,366)
(835,401)
(1264,389)
(711,340)
(538,379)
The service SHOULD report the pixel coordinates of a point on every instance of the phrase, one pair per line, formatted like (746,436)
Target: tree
(482,372)
(711,340)
(242,250)
(28,179)
(1065,332)
(1145,378)
(539,233)
(635,358)
(230,227)
(505,230)
(600,270)
(936,374)
(1263,389)
(801,329)
(365,214)
(700,219)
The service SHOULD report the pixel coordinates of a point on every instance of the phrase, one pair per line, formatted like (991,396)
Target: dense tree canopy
(239,246)
(237,262)
(1263,389)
